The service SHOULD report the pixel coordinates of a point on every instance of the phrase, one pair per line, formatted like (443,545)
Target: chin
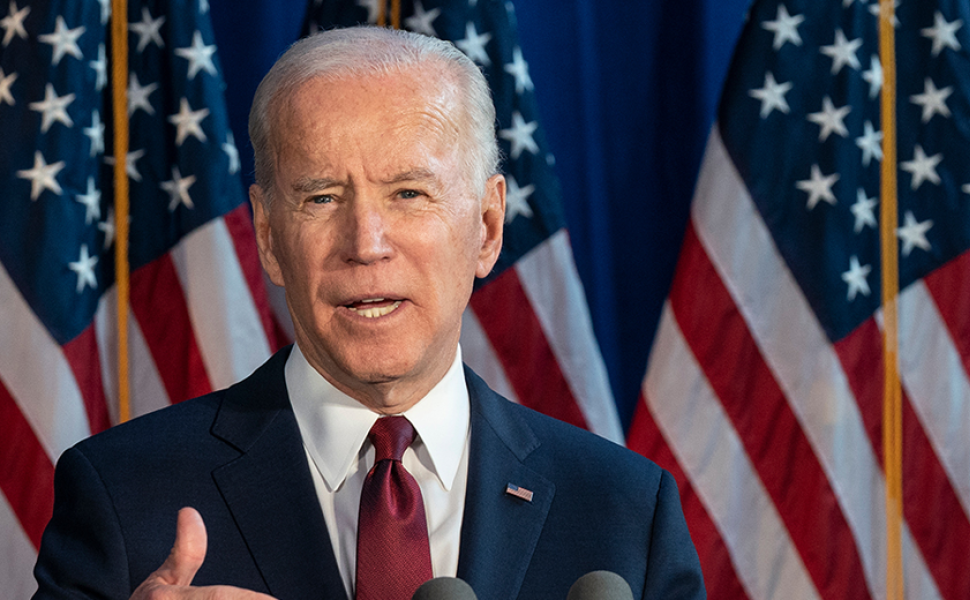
(370,371)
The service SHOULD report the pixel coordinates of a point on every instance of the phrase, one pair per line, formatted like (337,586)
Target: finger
(222,592)
(226,592)
(188,551)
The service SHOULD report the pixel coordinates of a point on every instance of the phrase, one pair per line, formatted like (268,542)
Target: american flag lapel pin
(519,492)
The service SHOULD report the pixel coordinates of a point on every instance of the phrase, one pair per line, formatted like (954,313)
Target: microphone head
(444,588)
(600,585)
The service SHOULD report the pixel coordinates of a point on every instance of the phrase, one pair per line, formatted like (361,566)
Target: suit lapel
(269,491)
(292,548)
(499,531)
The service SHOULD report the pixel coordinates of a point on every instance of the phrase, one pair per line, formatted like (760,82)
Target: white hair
(361,51)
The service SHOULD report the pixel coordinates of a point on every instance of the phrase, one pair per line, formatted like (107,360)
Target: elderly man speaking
(365,459)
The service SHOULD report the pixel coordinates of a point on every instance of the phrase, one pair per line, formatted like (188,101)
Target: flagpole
(395,14)
(892,393)
(119,96)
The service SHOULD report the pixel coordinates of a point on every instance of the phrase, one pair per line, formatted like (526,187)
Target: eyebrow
(411,175)
(308,185)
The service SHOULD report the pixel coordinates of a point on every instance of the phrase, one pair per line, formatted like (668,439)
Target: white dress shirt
(334,427)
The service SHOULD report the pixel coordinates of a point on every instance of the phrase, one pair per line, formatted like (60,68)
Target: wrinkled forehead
(364,95)
(395,122)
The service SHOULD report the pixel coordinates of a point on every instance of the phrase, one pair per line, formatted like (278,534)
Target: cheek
(295,255)
(460,262)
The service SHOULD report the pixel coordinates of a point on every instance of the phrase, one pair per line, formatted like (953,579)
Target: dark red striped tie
(393,554)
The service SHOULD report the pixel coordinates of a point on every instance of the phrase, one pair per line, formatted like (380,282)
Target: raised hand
(173,580)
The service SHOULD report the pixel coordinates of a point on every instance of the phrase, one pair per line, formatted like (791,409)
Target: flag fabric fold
(199,318)
(763,393)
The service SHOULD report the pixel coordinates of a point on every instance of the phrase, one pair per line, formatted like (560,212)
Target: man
(376,206)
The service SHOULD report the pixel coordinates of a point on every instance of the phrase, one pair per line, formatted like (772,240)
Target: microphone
(444,588)
(600,585)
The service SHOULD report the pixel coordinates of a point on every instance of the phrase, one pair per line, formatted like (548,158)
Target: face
(374,231)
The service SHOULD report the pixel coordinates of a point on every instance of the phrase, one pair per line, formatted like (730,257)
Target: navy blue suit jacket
(237,456)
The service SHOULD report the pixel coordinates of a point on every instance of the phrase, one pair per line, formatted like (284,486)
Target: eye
(409,194)
(321,199)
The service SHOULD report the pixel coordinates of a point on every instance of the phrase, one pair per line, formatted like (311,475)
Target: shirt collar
(334,426)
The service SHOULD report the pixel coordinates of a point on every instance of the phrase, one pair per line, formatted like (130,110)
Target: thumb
(188,552)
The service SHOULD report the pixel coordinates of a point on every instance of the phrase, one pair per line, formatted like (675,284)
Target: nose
(364,234)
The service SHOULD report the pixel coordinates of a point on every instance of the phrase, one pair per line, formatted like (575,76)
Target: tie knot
(391,436)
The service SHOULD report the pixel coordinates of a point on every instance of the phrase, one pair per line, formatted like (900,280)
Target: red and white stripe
(199,320)
(778,432)
(528,333)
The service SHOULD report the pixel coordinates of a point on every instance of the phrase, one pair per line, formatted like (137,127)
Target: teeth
(377,311)
(372,300)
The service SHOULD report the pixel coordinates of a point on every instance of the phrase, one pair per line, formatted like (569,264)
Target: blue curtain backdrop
(627,91)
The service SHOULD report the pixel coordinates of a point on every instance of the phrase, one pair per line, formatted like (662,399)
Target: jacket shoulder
(553,446)
(182,428)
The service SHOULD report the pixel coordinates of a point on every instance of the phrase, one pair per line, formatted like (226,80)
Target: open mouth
(373,308)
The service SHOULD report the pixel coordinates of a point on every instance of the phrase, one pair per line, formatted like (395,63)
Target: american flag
(199,318)
(764,388)
(527,330)
(519,492)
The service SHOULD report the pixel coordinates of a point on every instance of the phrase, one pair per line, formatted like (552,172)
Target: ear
(493,224)
(264,234)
